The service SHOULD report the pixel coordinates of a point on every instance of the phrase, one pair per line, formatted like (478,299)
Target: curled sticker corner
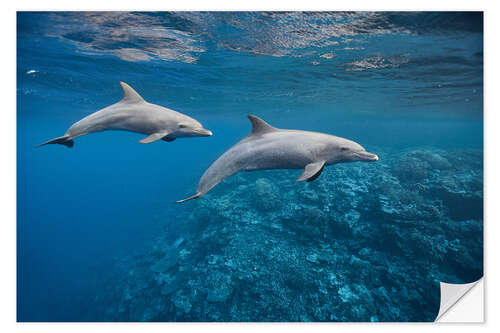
(451,293)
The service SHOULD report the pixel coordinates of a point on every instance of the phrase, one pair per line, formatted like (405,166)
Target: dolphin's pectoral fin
(154,137)
(312,171)
(168,139)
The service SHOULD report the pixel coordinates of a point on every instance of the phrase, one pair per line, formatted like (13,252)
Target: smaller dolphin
(268,147)
(134,114)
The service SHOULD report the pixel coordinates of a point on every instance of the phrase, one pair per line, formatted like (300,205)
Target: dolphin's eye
(344,148)
(182,126)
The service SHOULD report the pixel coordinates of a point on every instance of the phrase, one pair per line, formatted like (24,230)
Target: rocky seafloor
(364,242)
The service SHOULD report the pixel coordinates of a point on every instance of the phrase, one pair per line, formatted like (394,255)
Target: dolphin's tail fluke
(196,196)
(62,140)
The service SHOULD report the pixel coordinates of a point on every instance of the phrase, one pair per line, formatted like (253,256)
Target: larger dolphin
(268,147)
(134,114)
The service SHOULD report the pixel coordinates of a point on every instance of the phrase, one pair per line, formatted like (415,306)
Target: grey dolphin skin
(134,114)
(268,147)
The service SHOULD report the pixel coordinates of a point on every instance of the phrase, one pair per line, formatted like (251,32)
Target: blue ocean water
(99,238)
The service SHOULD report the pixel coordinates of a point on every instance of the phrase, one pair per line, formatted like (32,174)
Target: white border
(8,152)
(229,5)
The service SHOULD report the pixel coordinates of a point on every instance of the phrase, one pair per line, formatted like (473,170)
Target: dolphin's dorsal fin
(130,95)
(259,126)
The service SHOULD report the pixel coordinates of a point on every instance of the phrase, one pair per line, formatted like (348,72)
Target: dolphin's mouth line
(366,156)
(204,132)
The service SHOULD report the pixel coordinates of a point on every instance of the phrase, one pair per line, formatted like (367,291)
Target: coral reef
(365,242)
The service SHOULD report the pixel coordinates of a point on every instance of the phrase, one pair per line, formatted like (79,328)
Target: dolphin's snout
(200,131)
(372,157)
(368,157)
(206,132)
